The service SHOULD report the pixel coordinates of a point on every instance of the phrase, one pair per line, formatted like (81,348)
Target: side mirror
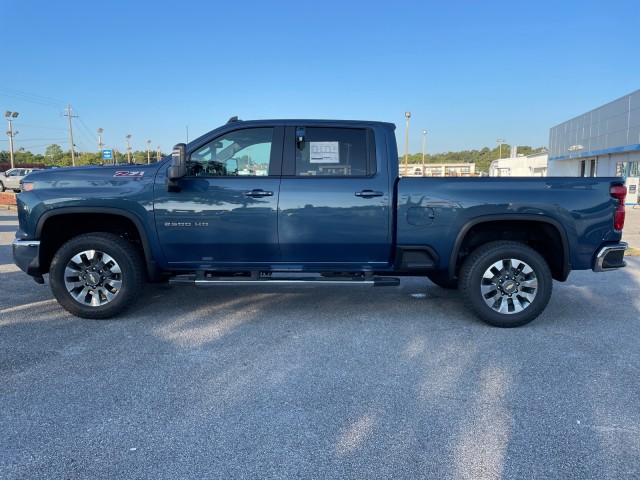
(178,168)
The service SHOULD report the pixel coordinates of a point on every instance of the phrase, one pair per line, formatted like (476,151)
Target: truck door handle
(258,193)
(369,194)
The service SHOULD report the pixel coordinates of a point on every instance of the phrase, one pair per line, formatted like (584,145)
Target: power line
(38,126)
(30,97)
(93,137)
(22,140)
(38,146)
(85,137)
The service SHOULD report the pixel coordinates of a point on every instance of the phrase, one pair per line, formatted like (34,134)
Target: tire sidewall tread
(122,251)
(477,263)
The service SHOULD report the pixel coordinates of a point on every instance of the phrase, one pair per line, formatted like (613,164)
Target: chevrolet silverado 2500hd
(295,201)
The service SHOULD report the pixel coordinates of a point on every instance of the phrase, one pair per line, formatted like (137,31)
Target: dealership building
(604,142)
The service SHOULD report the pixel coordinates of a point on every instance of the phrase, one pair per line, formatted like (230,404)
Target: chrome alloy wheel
(93,278)
(509,286)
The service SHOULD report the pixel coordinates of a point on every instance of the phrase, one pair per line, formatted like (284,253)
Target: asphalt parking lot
(331,382)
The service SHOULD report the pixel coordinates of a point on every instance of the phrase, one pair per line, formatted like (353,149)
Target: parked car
(12,179)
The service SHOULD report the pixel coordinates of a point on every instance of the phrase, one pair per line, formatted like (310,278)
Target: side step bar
(200,279)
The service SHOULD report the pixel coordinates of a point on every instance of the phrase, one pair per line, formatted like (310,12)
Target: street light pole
(100,144)
(500,142)
(424,142)
(148,151)
(158,153)
(11,116)
(128,137)
(406,144)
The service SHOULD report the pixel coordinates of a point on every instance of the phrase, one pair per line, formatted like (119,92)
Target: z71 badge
(129,174)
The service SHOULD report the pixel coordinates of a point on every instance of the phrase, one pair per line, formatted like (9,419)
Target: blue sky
(469,72)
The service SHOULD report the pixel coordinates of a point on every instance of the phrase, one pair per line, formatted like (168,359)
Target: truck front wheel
(96,275)
(506,284)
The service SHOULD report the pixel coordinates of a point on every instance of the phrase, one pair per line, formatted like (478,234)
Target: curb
(7,199)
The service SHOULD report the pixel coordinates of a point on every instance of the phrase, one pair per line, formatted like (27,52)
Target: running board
(206,280)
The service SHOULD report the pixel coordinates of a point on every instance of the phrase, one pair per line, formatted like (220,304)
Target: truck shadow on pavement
(325,382)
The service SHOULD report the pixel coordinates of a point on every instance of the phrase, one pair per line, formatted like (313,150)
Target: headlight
(28,186)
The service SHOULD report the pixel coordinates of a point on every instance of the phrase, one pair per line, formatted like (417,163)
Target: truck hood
(123,186)
(92,176)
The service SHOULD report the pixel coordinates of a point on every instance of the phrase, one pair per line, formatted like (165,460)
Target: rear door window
(342,152)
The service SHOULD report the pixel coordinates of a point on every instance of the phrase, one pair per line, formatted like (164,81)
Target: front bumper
(26,255)
(610,257)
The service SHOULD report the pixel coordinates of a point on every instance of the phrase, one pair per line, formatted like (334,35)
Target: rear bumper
(610,257)
(26,255)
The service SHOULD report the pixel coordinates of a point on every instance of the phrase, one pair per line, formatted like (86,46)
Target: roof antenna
(233,119)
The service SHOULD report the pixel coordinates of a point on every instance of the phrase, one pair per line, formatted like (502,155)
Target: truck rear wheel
(96,275)
(506,284)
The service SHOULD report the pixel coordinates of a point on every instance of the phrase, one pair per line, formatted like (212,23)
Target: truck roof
(308,121)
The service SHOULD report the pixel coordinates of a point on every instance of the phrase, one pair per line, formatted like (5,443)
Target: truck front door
(334,199)
(224,211)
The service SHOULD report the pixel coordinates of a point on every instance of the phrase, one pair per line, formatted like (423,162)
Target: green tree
(54,153)
(89,158)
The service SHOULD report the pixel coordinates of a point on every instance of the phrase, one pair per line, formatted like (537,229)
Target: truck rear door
(334,207)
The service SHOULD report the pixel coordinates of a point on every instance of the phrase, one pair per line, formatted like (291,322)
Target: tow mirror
(178,168)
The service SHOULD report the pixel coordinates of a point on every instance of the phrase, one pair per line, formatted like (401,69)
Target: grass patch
(632,252)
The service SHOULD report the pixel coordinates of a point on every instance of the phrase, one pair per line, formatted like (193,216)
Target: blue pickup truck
(311,201)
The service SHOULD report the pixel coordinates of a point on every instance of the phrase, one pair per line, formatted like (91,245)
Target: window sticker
(324,152)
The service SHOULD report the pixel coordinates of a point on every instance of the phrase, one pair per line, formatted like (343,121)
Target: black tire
(506,284)
(1,187)
(96,275)
(443,280)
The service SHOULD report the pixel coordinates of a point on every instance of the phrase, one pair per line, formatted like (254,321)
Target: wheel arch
(55,227)
(544,234)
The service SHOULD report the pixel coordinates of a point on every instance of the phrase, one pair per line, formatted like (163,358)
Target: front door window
(239,153)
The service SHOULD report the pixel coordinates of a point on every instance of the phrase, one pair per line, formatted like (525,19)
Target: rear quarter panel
(433,211)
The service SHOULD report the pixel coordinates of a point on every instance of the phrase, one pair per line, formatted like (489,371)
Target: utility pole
(69,116)
(158,153)
(100,144)
(148,152)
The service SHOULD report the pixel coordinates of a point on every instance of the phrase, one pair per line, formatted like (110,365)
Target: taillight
(619,192)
